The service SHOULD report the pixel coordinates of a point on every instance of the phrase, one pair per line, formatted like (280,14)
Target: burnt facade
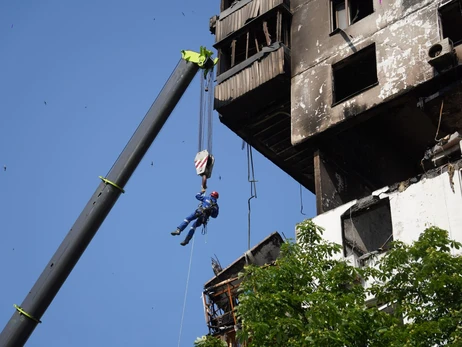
(221,295)
(344,95)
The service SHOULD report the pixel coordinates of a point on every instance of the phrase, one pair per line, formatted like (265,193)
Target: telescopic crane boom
(28,315)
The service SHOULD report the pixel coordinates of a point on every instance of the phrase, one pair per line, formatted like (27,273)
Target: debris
(445,147)
(45,103)
(219,177)
(4,167)
(152,163)
(183,13)
(153,19)
(11,26)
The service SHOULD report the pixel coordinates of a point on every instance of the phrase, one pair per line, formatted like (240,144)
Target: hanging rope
(206,113)
(186,292)
(253,187)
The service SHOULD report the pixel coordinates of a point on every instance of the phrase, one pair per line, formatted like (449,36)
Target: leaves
(312,297)
(209,341)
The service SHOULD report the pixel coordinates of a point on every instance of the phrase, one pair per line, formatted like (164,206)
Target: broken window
(367,227)
(225,4)
(354,74)
(451,19)
(347,12)
(257,36)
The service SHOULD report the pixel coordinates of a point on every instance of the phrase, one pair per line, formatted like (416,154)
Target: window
(347,12)
(367,227)
(354,74)
(251,41)
(451,19)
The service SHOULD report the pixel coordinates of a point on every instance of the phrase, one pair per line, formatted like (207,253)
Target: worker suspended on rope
(203,161)
(207,208)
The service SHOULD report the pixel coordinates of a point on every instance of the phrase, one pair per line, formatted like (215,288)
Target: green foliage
(312,297)
(423,281)
(308,298)
(209,341)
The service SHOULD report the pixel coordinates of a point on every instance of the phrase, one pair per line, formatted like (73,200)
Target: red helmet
(214,194)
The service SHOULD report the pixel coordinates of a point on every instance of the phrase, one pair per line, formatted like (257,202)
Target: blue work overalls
(207,208)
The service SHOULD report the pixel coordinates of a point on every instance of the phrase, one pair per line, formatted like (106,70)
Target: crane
(27,316)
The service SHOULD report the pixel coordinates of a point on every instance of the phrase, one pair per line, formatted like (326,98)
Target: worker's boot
(186,240)
(176,232)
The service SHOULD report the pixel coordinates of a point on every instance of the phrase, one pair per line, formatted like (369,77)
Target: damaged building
(221,295)
(343,95)
(360,101)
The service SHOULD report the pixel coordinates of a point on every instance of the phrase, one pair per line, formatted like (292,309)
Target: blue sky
(99,65)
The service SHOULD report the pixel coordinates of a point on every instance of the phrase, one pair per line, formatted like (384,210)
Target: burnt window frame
(347,4)
(253,39)
(447,8)
(353,59)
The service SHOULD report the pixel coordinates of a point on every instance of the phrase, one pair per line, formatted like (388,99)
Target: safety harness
(204,213)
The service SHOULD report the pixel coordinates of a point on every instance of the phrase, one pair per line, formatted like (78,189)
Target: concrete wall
(402,31)
(429,202)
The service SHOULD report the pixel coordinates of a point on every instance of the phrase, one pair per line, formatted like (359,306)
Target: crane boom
(28,315)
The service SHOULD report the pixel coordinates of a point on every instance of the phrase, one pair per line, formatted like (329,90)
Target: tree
(312,297)
(307,298)
(209,341)
(423,282)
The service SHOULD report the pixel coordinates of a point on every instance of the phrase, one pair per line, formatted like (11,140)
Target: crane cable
(206,112)
(186,292)
(205,130)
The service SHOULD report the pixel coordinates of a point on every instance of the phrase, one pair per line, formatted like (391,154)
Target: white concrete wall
(429,202)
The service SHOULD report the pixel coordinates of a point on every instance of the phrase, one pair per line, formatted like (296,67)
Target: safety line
(186,292)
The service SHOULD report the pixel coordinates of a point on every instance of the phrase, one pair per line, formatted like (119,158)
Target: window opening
(355,74)
(252,41)
(347,12)
(451,19)
(367,228)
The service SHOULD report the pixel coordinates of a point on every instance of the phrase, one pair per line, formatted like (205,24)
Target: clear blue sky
(99,65)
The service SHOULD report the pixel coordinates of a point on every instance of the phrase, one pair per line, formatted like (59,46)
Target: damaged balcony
(253,88)
(253,43)
(221,292)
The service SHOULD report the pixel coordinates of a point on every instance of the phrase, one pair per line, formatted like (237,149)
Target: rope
(186,292)
(253,187)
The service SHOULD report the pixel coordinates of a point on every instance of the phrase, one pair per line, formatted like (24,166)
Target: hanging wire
(253,187)
(186,292)
(301,201)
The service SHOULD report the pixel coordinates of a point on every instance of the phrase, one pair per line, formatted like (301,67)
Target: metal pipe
(25,319)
